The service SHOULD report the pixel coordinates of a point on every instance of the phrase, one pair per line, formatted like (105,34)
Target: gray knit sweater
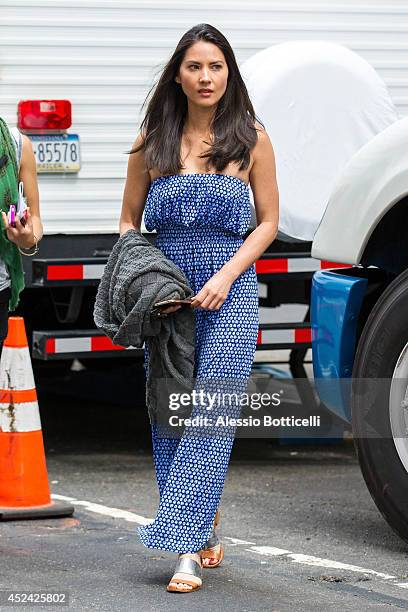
(136,276)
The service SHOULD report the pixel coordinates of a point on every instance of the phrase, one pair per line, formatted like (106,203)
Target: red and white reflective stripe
(87,344)
(284,336)
(18,396)
(75,271)
(295,264)
(263,266)
(325,265)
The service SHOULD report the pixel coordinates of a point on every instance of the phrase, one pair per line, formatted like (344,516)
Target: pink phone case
(12,215)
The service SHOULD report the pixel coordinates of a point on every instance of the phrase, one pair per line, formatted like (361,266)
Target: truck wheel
(380,406)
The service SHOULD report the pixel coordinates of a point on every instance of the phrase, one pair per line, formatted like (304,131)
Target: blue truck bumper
(335,305)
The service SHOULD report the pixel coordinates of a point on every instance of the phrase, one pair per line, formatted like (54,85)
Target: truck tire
(379,421)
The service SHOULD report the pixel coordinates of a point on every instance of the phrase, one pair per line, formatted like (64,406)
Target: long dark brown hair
(233,124)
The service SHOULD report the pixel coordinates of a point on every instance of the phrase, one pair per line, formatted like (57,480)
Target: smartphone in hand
(158,307)
(20,210)
(174,302)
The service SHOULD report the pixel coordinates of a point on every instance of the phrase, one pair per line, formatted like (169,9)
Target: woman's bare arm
(28,174)
(135,192)
(21,235)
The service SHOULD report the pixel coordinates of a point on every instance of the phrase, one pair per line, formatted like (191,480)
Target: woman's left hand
(214,293)
(21,235)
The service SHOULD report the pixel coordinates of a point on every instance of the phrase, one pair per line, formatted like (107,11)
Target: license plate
(56,152)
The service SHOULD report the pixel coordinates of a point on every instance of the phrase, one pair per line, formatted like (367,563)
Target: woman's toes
(211,560)
(184,586)
(180,586)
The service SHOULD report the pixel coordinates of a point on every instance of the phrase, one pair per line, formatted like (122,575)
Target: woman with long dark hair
(199,148)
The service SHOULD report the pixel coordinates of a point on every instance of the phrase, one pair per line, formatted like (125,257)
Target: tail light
(44,115)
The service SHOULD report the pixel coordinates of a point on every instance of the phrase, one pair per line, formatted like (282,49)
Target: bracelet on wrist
(35,247)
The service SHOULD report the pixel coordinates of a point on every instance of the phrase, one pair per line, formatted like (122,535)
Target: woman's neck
(198,122)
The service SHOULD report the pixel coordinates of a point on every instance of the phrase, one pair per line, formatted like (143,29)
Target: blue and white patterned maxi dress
(200,221)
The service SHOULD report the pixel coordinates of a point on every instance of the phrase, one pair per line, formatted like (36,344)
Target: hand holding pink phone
(21,210)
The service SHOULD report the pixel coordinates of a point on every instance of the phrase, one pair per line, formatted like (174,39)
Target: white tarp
(320,102)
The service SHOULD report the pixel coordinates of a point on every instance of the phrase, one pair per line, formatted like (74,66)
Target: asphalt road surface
(300,529)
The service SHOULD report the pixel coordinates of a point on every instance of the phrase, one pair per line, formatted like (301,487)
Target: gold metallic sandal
(213,548)
(185,567)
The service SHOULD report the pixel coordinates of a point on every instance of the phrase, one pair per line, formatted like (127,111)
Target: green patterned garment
(9,252)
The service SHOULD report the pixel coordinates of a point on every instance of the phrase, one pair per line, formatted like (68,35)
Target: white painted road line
(268,551)
(237,542)
(131,517)
(317,561)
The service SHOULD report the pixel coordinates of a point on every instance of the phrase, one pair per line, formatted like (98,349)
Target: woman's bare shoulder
(261,131)
(263,142)
(137,155)
(140,139)
(137,168)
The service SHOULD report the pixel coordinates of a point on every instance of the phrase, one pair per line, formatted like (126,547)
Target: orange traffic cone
(24,488)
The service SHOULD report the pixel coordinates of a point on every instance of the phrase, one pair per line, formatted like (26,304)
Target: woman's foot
(212,555)
(187,576)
